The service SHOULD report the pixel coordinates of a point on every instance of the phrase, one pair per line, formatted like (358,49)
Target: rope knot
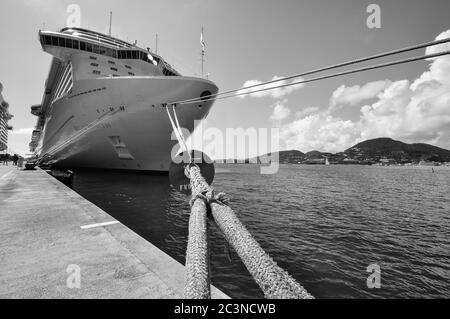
(210,197)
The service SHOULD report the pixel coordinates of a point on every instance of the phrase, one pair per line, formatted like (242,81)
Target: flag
(202,41)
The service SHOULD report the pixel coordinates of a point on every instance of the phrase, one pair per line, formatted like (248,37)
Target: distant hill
(285,157)
(367,152)
(317,155)
(290,156)
(389,148)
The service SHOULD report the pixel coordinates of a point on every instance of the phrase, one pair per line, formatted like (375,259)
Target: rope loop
(210,197)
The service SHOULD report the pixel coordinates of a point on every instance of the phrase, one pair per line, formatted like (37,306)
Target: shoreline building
(5,116)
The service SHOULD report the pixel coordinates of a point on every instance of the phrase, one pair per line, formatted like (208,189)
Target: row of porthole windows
(110,62)
(112,69)
(97,72)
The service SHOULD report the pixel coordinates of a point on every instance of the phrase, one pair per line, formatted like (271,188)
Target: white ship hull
(123,124)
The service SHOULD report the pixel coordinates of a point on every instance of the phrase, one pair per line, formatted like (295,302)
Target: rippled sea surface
(323,224)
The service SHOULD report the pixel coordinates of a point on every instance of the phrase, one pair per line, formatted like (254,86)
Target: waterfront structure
(105,104)
(5,116)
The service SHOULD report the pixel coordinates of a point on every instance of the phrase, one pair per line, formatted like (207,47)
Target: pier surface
(48,232)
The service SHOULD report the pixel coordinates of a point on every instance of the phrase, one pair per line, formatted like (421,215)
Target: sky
(253,41)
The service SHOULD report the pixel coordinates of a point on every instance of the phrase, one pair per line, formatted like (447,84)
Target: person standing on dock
(15,158)
(5,159)
(20,163)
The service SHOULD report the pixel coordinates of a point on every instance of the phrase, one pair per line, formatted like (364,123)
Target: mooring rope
(248,90)
(197,255)
(275,282)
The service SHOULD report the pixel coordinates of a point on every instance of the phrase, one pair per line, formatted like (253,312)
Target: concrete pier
(48,232)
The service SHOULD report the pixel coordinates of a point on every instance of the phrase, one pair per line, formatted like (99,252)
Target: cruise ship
(104,104)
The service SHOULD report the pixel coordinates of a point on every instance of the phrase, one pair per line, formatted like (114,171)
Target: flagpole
(203,60)
(203,51)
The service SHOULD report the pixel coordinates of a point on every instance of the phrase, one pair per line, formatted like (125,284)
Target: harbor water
(324,224)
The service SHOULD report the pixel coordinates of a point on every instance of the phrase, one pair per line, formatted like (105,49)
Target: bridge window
(48,40)
(98,49)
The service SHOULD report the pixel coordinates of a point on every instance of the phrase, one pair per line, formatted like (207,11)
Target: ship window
(55,41)
(135,54)
(48,40)
(114,69)
(62,42)
(111,62)
(89,48)
(76,44)
(96,72)
(83,46)
(131,73)
(109,52)
(95,49)
(128,67)
(94,64)
(69,43)
(102,50)
(129,55)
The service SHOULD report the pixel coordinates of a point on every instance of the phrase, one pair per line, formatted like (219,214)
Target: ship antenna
(110,22)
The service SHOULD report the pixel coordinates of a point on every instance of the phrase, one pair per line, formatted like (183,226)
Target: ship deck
(47,232)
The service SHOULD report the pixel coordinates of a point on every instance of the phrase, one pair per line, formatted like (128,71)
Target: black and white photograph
(224,155)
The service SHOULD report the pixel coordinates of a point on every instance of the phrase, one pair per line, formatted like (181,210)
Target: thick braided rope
(275,282)
(197,281)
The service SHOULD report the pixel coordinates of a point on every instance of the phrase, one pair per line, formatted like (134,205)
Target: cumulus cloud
(353,95)
(307,111)
(275,93)
(280,111)
(319,132)
(417,111)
